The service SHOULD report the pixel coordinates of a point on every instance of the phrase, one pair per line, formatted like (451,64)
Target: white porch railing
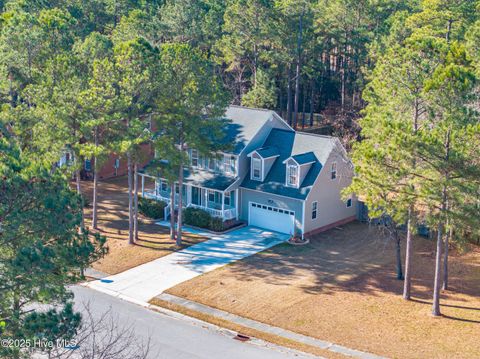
(229,213)
(152,194)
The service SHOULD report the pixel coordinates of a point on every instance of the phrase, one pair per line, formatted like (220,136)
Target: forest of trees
(400,77)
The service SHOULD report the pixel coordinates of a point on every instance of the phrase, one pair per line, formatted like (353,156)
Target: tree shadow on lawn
(355,259)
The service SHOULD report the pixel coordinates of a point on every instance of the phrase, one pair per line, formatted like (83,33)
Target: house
(274,177)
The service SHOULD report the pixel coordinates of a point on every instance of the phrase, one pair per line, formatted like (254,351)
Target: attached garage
(273,218)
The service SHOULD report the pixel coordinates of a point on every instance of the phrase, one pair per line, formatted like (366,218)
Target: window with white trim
(256,168)
(349,203)
(333,171)
(194,158)
(227,199)
(292,175)
(314,209)
(164,186)
(211,164)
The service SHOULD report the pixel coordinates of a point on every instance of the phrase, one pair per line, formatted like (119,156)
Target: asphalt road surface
(177,338)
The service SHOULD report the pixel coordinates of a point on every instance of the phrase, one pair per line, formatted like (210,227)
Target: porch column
(189,195)
(223,205)
(237,205)
(143,185)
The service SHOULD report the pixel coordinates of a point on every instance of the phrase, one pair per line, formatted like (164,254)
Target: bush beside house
(151,208)
(199,218)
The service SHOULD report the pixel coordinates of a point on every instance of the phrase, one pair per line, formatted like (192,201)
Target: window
(227,199)
(349,203)
(314,209)
(88,165)
(194,158)
(211,196)
(117,163)
(211,164)
(256,168)
(292,175)
(333,171)
(230,164)
(164,186)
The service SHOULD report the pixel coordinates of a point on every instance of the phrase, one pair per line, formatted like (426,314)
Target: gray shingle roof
(244,124)
(196,177)
(304,158)
(203,178)
(300,145)
(267,152)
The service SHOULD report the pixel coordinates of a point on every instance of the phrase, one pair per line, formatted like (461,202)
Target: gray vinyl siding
(327,192)
(246,196)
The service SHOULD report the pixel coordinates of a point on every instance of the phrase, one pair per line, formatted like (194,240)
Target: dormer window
(333,171)
(256,168)
(292,175)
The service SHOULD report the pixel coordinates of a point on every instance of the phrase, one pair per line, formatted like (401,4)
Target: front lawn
(154,241)
(342,288)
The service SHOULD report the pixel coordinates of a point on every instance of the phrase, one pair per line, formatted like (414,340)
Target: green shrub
(151,208)
(216,224)
(196,217)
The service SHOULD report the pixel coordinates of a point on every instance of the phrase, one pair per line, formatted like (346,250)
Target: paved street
(176,338)
(144,282)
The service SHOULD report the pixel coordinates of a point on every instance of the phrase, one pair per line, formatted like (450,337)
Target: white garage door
(275,219)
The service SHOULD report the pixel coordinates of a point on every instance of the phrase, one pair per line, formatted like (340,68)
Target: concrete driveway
(144,282)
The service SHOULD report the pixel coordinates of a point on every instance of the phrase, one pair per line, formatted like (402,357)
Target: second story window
(256,168)
(292,175)
(194,158)
(230,163)
(211,164)
(333,171)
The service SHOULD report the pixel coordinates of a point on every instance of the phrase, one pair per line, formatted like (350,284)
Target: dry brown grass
(288,343)
(342,288)
(153,243)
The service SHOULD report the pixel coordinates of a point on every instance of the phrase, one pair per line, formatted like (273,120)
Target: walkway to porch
(221,204)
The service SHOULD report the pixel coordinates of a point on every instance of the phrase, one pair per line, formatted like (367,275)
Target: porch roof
(198,177)
(207,179)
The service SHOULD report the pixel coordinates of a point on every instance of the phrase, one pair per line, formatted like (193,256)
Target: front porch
(222,204)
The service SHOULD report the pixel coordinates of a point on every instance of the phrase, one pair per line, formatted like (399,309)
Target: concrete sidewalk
(266,328)
(142,283)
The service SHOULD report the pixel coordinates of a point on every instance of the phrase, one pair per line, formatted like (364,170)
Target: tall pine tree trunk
(131,240)
(438,275)
(95,185)
(79,191)
(289,95)
(410,223)
(398,253)
(172,210)
(180,204)
(445,259)
(304,108)
(408,257)
(441,227)
(312,100)
(298,70)
(135,200)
